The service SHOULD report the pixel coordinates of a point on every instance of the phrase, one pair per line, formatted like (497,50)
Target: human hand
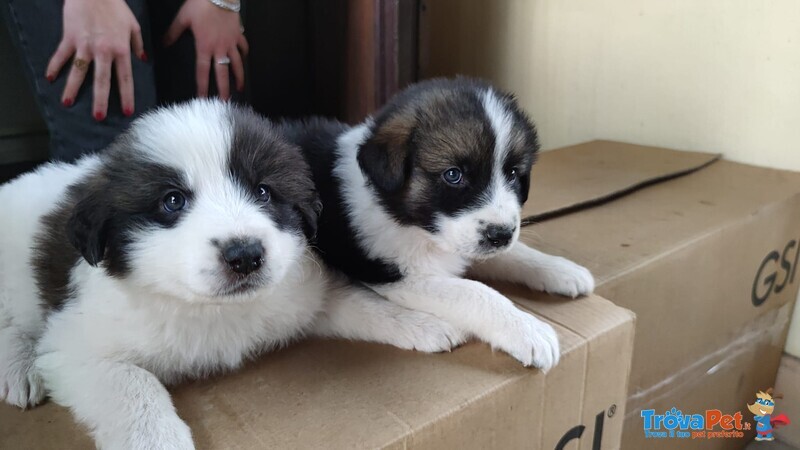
(101,32)
(218,37)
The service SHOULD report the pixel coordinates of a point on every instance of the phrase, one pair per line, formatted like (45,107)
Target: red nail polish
(50,77)
(143,56)
(127,111)
(98,116)
(68,102)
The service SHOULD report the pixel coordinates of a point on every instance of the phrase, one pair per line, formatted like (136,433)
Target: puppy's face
(453,157)
(203,202)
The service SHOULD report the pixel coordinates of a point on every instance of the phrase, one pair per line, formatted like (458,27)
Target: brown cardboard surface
(607,357)
(333,394)
(735,375)
(788,384)
(683,255)
(599,171)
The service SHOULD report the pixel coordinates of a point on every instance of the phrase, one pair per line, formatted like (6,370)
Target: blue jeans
(169,76)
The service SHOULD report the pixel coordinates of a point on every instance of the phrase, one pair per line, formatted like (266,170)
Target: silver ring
(224,60)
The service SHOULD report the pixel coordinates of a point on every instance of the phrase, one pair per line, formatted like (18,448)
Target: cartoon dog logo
(762,409)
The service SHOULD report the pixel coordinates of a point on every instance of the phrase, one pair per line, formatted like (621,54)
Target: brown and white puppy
(430,188)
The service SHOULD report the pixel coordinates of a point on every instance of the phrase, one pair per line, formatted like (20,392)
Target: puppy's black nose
(243,257)
(499,236)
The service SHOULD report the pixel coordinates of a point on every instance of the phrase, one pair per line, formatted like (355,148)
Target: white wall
(712,75)
(707,75)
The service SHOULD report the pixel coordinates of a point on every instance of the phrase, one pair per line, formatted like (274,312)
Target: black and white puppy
(179,252)
(429,189)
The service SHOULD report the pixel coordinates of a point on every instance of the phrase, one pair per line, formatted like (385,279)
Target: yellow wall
(710,75)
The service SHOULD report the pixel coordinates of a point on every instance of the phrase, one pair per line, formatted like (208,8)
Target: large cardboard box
(344,395)
(788,385)
(703,251)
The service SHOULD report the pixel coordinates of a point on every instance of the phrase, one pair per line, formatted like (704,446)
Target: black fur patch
(336,242)
(261,156)
(53,255)
(96,216)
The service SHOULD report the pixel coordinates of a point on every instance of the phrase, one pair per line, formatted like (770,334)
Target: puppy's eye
(262,193)
(512,173)
(452,175)
(174,201)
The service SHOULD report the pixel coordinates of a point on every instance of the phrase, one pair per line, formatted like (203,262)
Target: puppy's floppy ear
(87,227)
(525,185)
(385,158)
(310,212)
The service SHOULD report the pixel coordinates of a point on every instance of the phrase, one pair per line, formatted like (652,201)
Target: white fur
(537,270)
(21,316)
(106,354)
(432,263)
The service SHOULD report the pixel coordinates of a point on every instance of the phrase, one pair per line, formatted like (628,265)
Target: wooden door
(339,58)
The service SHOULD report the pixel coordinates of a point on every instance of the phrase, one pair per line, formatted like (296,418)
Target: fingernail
(143,56)
(98,116)
(128,111)
(68,102)
(50,77)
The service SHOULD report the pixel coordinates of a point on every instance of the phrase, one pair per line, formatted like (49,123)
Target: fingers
(242,45)
(201,73)
(223,77)
(122,64)
(60,57)
(77,73)
(175,30)
(137,44)
(102,86)
(237,66)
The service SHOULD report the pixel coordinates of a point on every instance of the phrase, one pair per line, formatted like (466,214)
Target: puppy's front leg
(480,310)
(123,405)
(359,313)
(540,271)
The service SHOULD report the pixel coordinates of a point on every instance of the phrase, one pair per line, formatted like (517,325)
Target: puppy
(179,252)
(428,189)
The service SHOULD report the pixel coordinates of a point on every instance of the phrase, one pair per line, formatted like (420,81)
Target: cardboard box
(704,252)
(343,395)
(788,384)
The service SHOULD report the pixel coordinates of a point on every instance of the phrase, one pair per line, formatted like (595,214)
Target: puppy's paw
(563,277)
(21,385)
(168,434)
(531,341)
(416,330)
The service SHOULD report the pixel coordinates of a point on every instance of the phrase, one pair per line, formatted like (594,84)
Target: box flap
(592,173)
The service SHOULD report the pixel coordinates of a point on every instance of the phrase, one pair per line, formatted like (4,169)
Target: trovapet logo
(762,410)
(712,424)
